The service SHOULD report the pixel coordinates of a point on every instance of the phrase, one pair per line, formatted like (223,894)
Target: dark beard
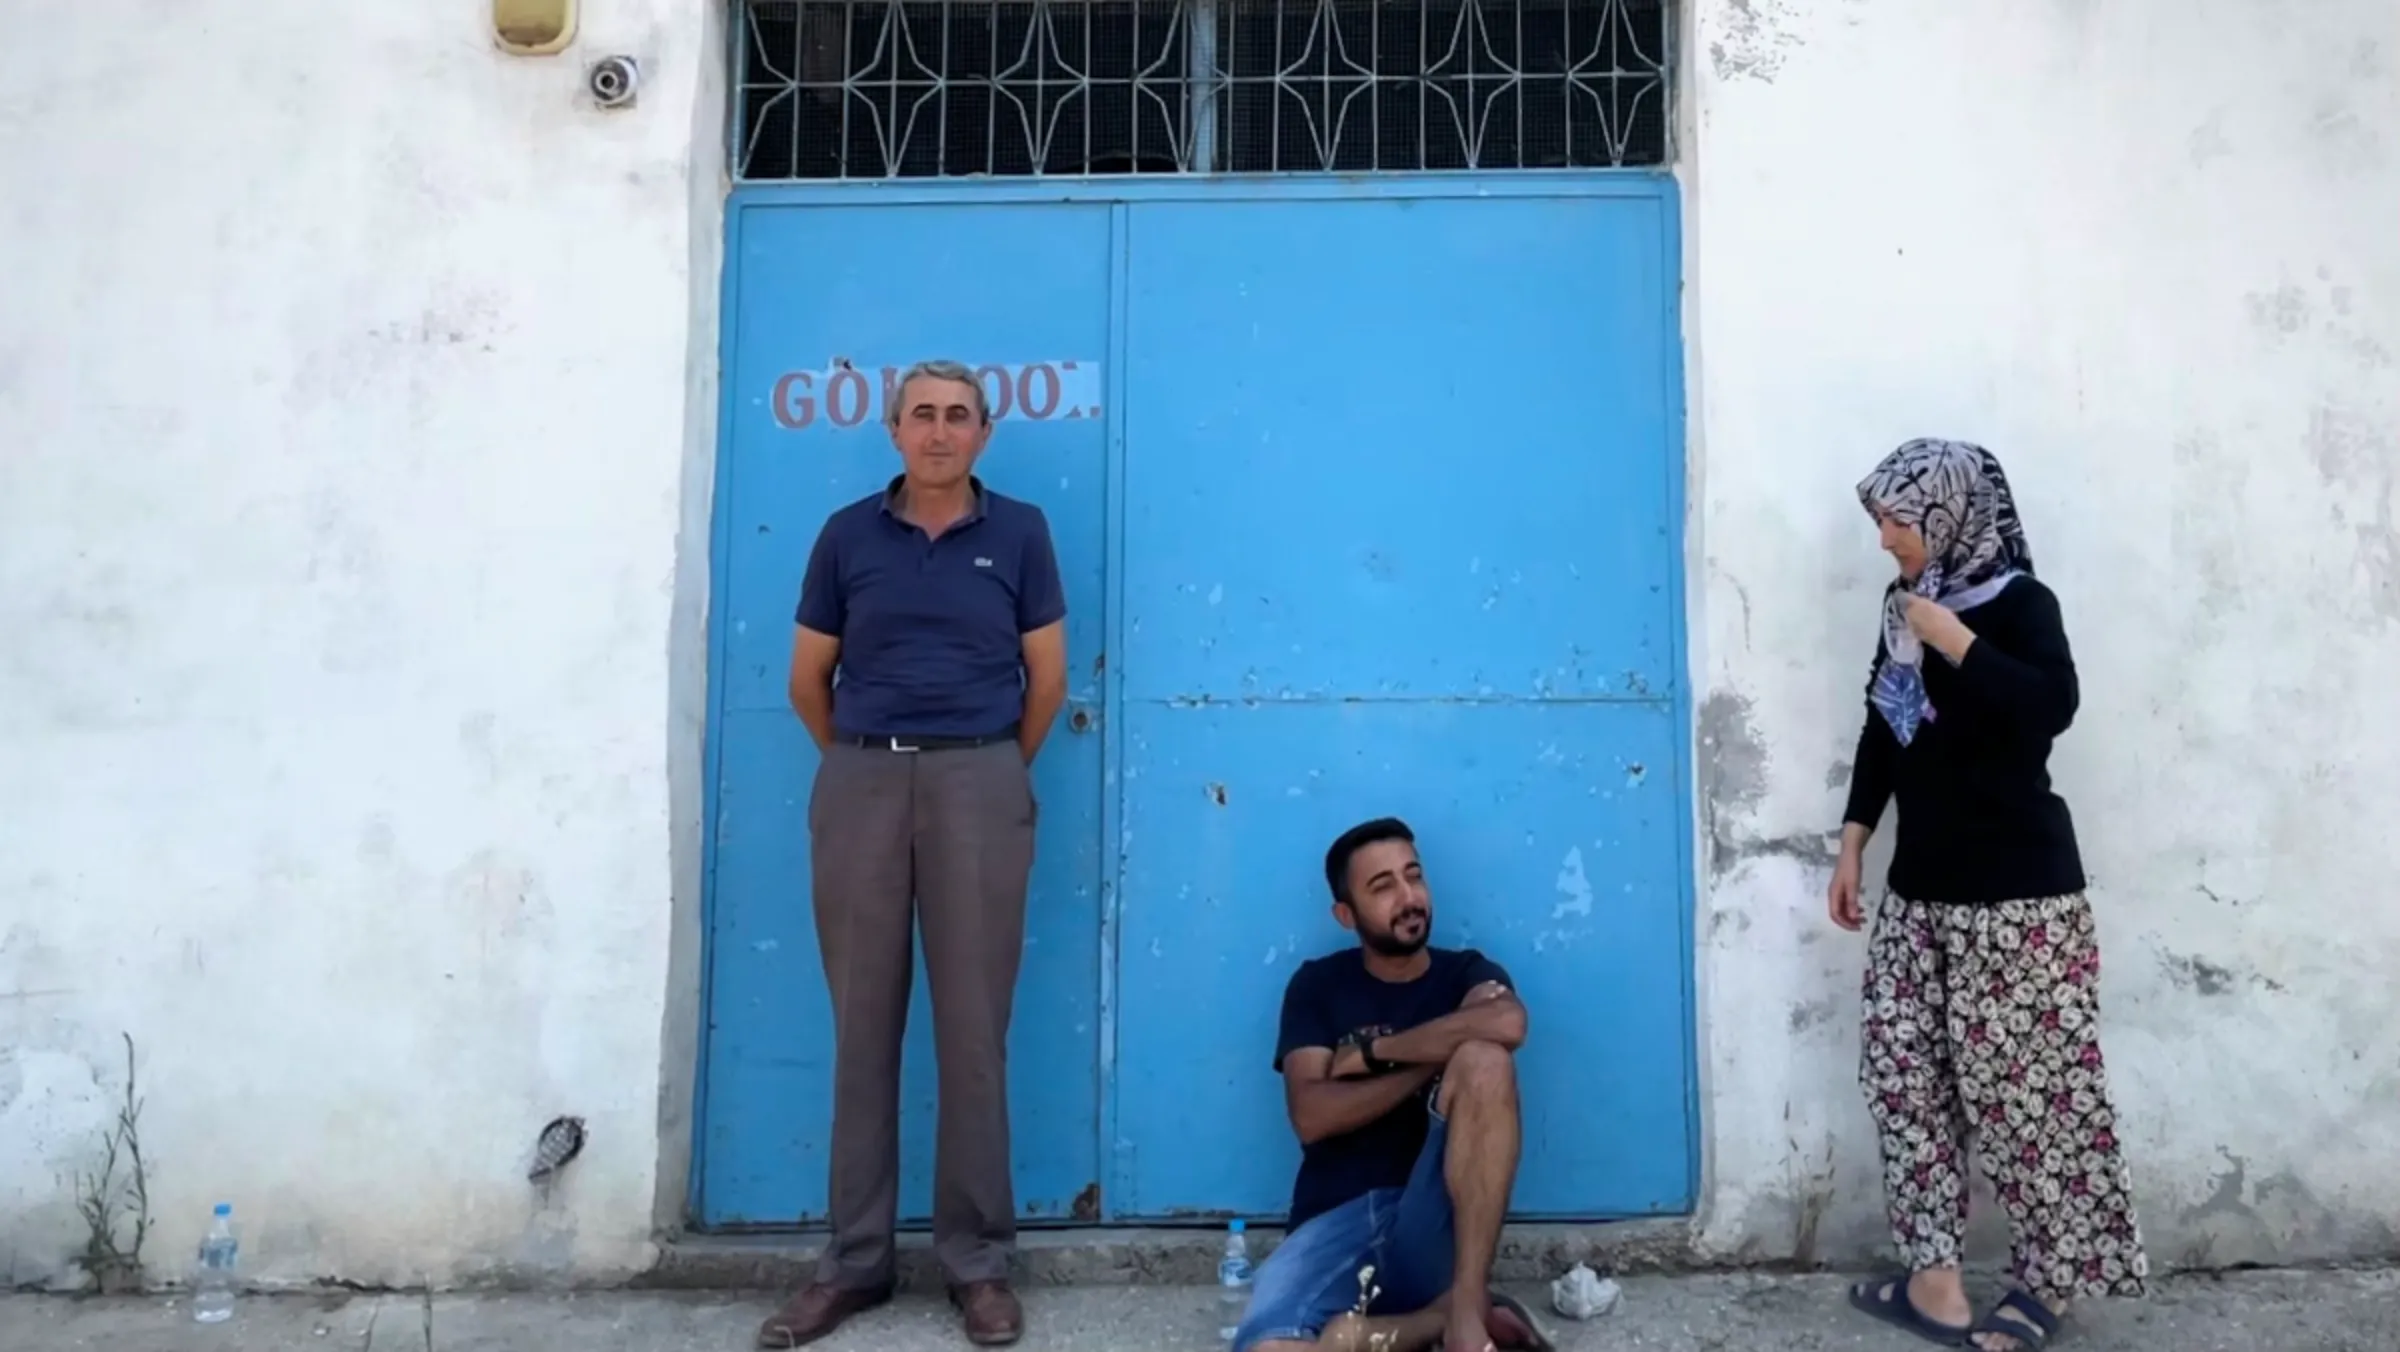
(1389,944)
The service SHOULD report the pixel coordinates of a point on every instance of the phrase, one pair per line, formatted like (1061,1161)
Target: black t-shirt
(1978,821)
(1333,996)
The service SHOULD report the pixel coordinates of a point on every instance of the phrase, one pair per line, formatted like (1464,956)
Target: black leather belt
(914,744)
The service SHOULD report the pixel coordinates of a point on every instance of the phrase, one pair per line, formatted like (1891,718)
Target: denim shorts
(1403,1233)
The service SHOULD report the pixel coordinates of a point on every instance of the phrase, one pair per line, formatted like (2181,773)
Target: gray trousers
(947,836)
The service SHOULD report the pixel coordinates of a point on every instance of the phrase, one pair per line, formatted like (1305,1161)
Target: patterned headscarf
(1955,493)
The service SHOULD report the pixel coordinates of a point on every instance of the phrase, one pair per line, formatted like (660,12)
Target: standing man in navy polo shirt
(930,661)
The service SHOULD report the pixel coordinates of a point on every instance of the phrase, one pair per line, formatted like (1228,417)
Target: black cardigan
(1978,822)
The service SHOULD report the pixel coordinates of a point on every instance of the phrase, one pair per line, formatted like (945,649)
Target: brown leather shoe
(818,1310)
(994,1319)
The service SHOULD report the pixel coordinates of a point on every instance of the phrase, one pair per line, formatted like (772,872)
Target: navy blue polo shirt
(931,629)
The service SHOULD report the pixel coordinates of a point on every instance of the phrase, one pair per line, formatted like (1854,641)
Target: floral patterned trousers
(1983,1022)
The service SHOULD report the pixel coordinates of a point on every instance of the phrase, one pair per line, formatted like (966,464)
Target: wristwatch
(1376,1065)
(1364,1040)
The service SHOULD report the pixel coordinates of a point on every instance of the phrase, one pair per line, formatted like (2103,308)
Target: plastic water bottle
(1233,1282)
(213,1282)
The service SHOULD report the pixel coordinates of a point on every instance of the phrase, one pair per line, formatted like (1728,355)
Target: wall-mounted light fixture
(533,27)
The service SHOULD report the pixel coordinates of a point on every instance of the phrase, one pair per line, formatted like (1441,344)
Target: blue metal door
(823,306)
(1402,513)
(1368,497)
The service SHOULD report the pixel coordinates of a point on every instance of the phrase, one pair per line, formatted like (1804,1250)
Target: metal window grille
(873,89)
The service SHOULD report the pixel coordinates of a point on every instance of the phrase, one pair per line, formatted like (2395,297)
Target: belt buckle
(896,746)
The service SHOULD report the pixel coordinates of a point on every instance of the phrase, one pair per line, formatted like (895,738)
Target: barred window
(868,89)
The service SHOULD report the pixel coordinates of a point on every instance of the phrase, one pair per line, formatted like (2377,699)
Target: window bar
(1236,54)
(1374,87)
(1200,76)
(1328,136)
(1574,70)
(790,95)
(1040,125)
(1478,43)
(891,43)
(1089,84)
(1277,87)
(1424,82)
(1658,90)
(841,150)
(941,139)
(991,113)
(738,136)
(1133,92)
(1516,86)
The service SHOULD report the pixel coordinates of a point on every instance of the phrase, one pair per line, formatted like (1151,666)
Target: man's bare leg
(1372,1333)
(1479,1166)
(1384,1332)
(1416,1332)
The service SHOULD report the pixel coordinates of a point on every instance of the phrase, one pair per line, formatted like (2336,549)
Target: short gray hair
(940,368)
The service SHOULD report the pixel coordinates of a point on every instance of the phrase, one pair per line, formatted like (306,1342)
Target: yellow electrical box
(533,27)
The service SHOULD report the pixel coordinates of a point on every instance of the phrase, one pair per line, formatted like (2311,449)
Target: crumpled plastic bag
(1581,1293)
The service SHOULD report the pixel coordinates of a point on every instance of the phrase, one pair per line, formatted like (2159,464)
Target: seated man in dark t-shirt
(1399,1075)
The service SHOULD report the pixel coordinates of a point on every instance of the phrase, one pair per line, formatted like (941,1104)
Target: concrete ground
(2246,1312)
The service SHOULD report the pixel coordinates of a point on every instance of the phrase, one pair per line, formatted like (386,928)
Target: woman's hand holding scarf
(1938,627)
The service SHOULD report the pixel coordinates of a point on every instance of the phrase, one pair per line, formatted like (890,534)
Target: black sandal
(1886,1298)
(2033,1328)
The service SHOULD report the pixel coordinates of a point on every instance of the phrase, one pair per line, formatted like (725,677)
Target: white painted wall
(356,391)
(343,509)
(2149,252)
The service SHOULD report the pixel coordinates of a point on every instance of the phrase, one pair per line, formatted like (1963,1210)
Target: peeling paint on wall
(2354,454)
(1733,760)
(2231,1218)
(1734,763)
(1751,39)
(2202,977)
(2283,311)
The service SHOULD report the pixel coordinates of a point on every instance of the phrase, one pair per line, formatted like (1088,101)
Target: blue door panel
(1390,485)
(1548,833)
(872,290)
(1398,450)
(1399,504)
(826,302)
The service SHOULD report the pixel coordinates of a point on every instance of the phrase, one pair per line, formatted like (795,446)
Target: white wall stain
(1574,889)
(1749,39)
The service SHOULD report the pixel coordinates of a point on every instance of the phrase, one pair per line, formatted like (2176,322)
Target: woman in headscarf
(1982,1015)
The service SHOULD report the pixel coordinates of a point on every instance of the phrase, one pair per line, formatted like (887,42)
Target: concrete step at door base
(1152,1257)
